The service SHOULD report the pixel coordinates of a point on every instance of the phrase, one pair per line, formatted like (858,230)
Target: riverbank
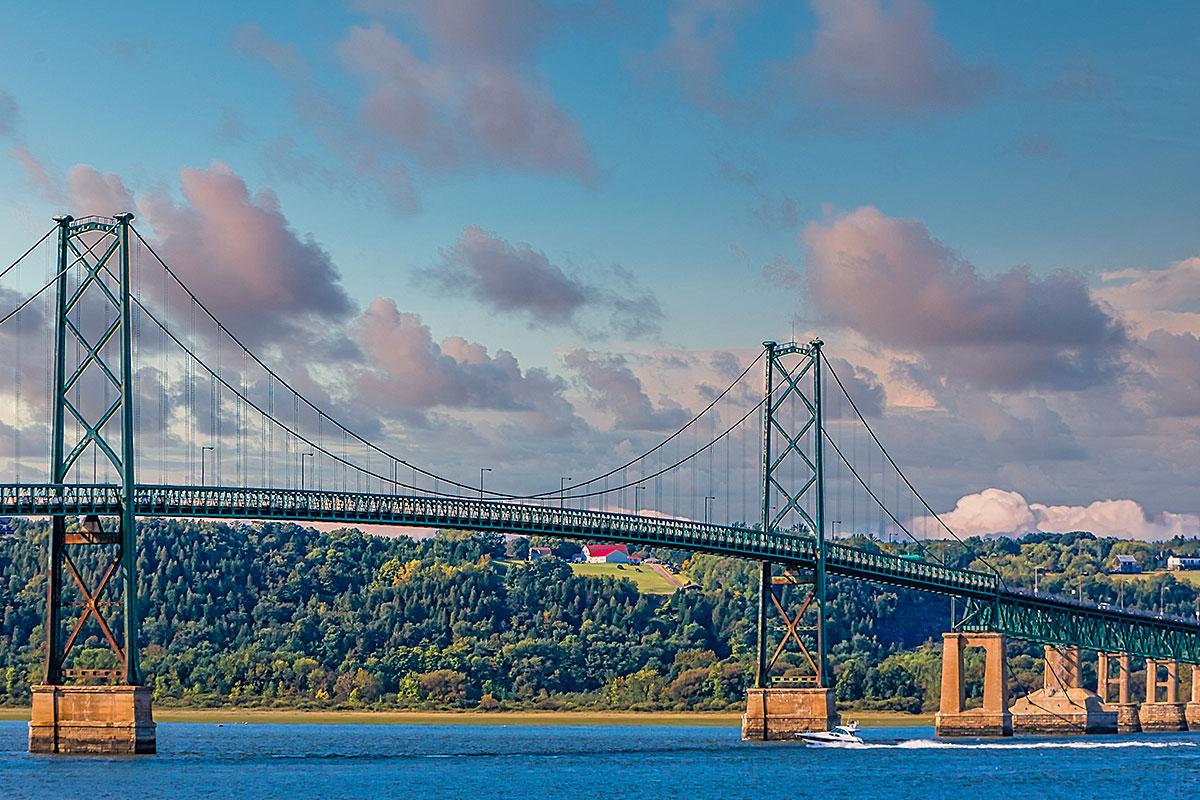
(231,716)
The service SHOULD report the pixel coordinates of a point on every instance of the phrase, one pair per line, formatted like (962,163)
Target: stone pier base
(1063,711)
(107,720)
(778,714)
(953,717)
(1163,717)
(1127,717)
(1192,713)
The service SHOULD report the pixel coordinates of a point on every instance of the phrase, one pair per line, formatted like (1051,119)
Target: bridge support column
(777,713)
(1193,707)
(993,718)
(107,720)
(1167,715)
(1122,704)
(1062,705)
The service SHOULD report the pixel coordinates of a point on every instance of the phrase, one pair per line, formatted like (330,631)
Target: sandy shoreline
(564,718)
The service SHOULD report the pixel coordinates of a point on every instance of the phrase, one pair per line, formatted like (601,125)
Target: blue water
(327,762)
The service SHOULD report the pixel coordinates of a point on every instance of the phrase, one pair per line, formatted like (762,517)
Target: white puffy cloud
(1000,512)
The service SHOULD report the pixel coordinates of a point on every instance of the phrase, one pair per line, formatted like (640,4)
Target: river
(329,762)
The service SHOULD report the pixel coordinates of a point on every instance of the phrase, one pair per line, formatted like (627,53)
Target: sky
(560,221)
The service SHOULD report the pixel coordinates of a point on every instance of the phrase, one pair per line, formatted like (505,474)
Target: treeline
(277,614)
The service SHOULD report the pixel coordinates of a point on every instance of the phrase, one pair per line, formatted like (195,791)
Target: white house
(606,553)
(1183,562)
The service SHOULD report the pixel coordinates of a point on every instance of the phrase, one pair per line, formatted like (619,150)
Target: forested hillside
(277,614)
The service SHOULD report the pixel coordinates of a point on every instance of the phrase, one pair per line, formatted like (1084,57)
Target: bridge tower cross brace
(97,249)
(793,372)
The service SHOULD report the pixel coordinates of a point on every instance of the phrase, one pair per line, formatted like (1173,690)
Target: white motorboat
(838,734)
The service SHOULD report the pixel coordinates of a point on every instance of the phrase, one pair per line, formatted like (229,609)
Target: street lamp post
(203,449)
(1081,576)
(481,471)
(562,488)
(1036,570)
(1162,600)
(302,457)
(636,506)
(707,499)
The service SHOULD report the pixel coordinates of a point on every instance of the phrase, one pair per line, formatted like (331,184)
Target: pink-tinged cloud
(516,279)
(463,104)
(891,281)
(238,252)
(43,180)
(1000,512)
(869,56)
(95,192)
(1164,299)
(408,371)
(615,390)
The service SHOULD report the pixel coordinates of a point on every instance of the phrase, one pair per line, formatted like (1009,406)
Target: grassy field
(648,580)
(232,716)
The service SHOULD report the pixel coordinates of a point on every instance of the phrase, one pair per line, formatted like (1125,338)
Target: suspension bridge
(130,398)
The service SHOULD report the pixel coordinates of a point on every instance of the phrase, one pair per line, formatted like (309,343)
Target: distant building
(1183,562)
(536,553)
(1127,565)
(606,553)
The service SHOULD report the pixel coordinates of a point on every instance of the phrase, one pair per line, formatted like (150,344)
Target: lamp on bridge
(481,471)
(707,500)
(302,457)
(562,488)
(202,452)
(637,506)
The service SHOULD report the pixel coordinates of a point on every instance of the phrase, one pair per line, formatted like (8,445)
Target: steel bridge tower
(777,706)
(92,440)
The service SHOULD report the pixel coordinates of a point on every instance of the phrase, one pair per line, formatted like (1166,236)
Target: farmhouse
(606,553)
(1183,562)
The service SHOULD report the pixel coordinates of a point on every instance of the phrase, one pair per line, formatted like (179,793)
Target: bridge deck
(990,605)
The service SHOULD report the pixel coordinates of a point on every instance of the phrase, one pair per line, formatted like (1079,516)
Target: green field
(648,580)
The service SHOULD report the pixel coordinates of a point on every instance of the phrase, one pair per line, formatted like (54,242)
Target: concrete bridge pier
(778,713)
(1167,715)
(101,720)
(1123,705)
(993,718)
(1062,705)
(1192,711)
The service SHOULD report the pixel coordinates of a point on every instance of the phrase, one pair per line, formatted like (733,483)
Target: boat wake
(934,744)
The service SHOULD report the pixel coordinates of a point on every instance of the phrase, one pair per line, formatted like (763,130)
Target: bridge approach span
(990,605)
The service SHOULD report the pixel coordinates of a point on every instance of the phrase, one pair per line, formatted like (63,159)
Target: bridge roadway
(989,604)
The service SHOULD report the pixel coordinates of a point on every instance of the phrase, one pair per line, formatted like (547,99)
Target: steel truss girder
(1156,637)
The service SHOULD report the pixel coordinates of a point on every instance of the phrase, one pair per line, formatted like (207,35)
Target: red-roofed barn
(606,553)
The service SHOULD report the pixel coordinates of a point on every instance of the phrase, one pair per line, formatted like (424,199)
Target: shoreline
(284,716)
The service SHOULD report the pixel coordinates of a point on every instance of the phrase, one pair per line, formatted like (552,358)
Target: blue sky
(698,144)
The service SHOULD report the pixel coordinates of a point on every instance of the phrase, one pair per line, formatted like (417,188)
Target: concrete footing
(1073,710)
(1062,705)
(783,713)
(1192,714)
(1127,717)
(1163,717)
(107,720)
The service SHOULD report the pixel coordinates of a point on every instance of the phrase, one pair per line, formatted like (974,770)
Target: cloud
(409,371)
(95,192)
(10,115)
(240,254)
(1166,299)
(41,177)
(870,57)
(517,279)
(701,35)
(617,391)
(476,97)
(891,281)
(1172,373)
(996,511)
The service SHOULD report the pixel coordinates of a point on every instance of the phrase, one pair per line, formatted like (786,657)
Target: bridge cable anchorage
(904,477)
(468,489)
